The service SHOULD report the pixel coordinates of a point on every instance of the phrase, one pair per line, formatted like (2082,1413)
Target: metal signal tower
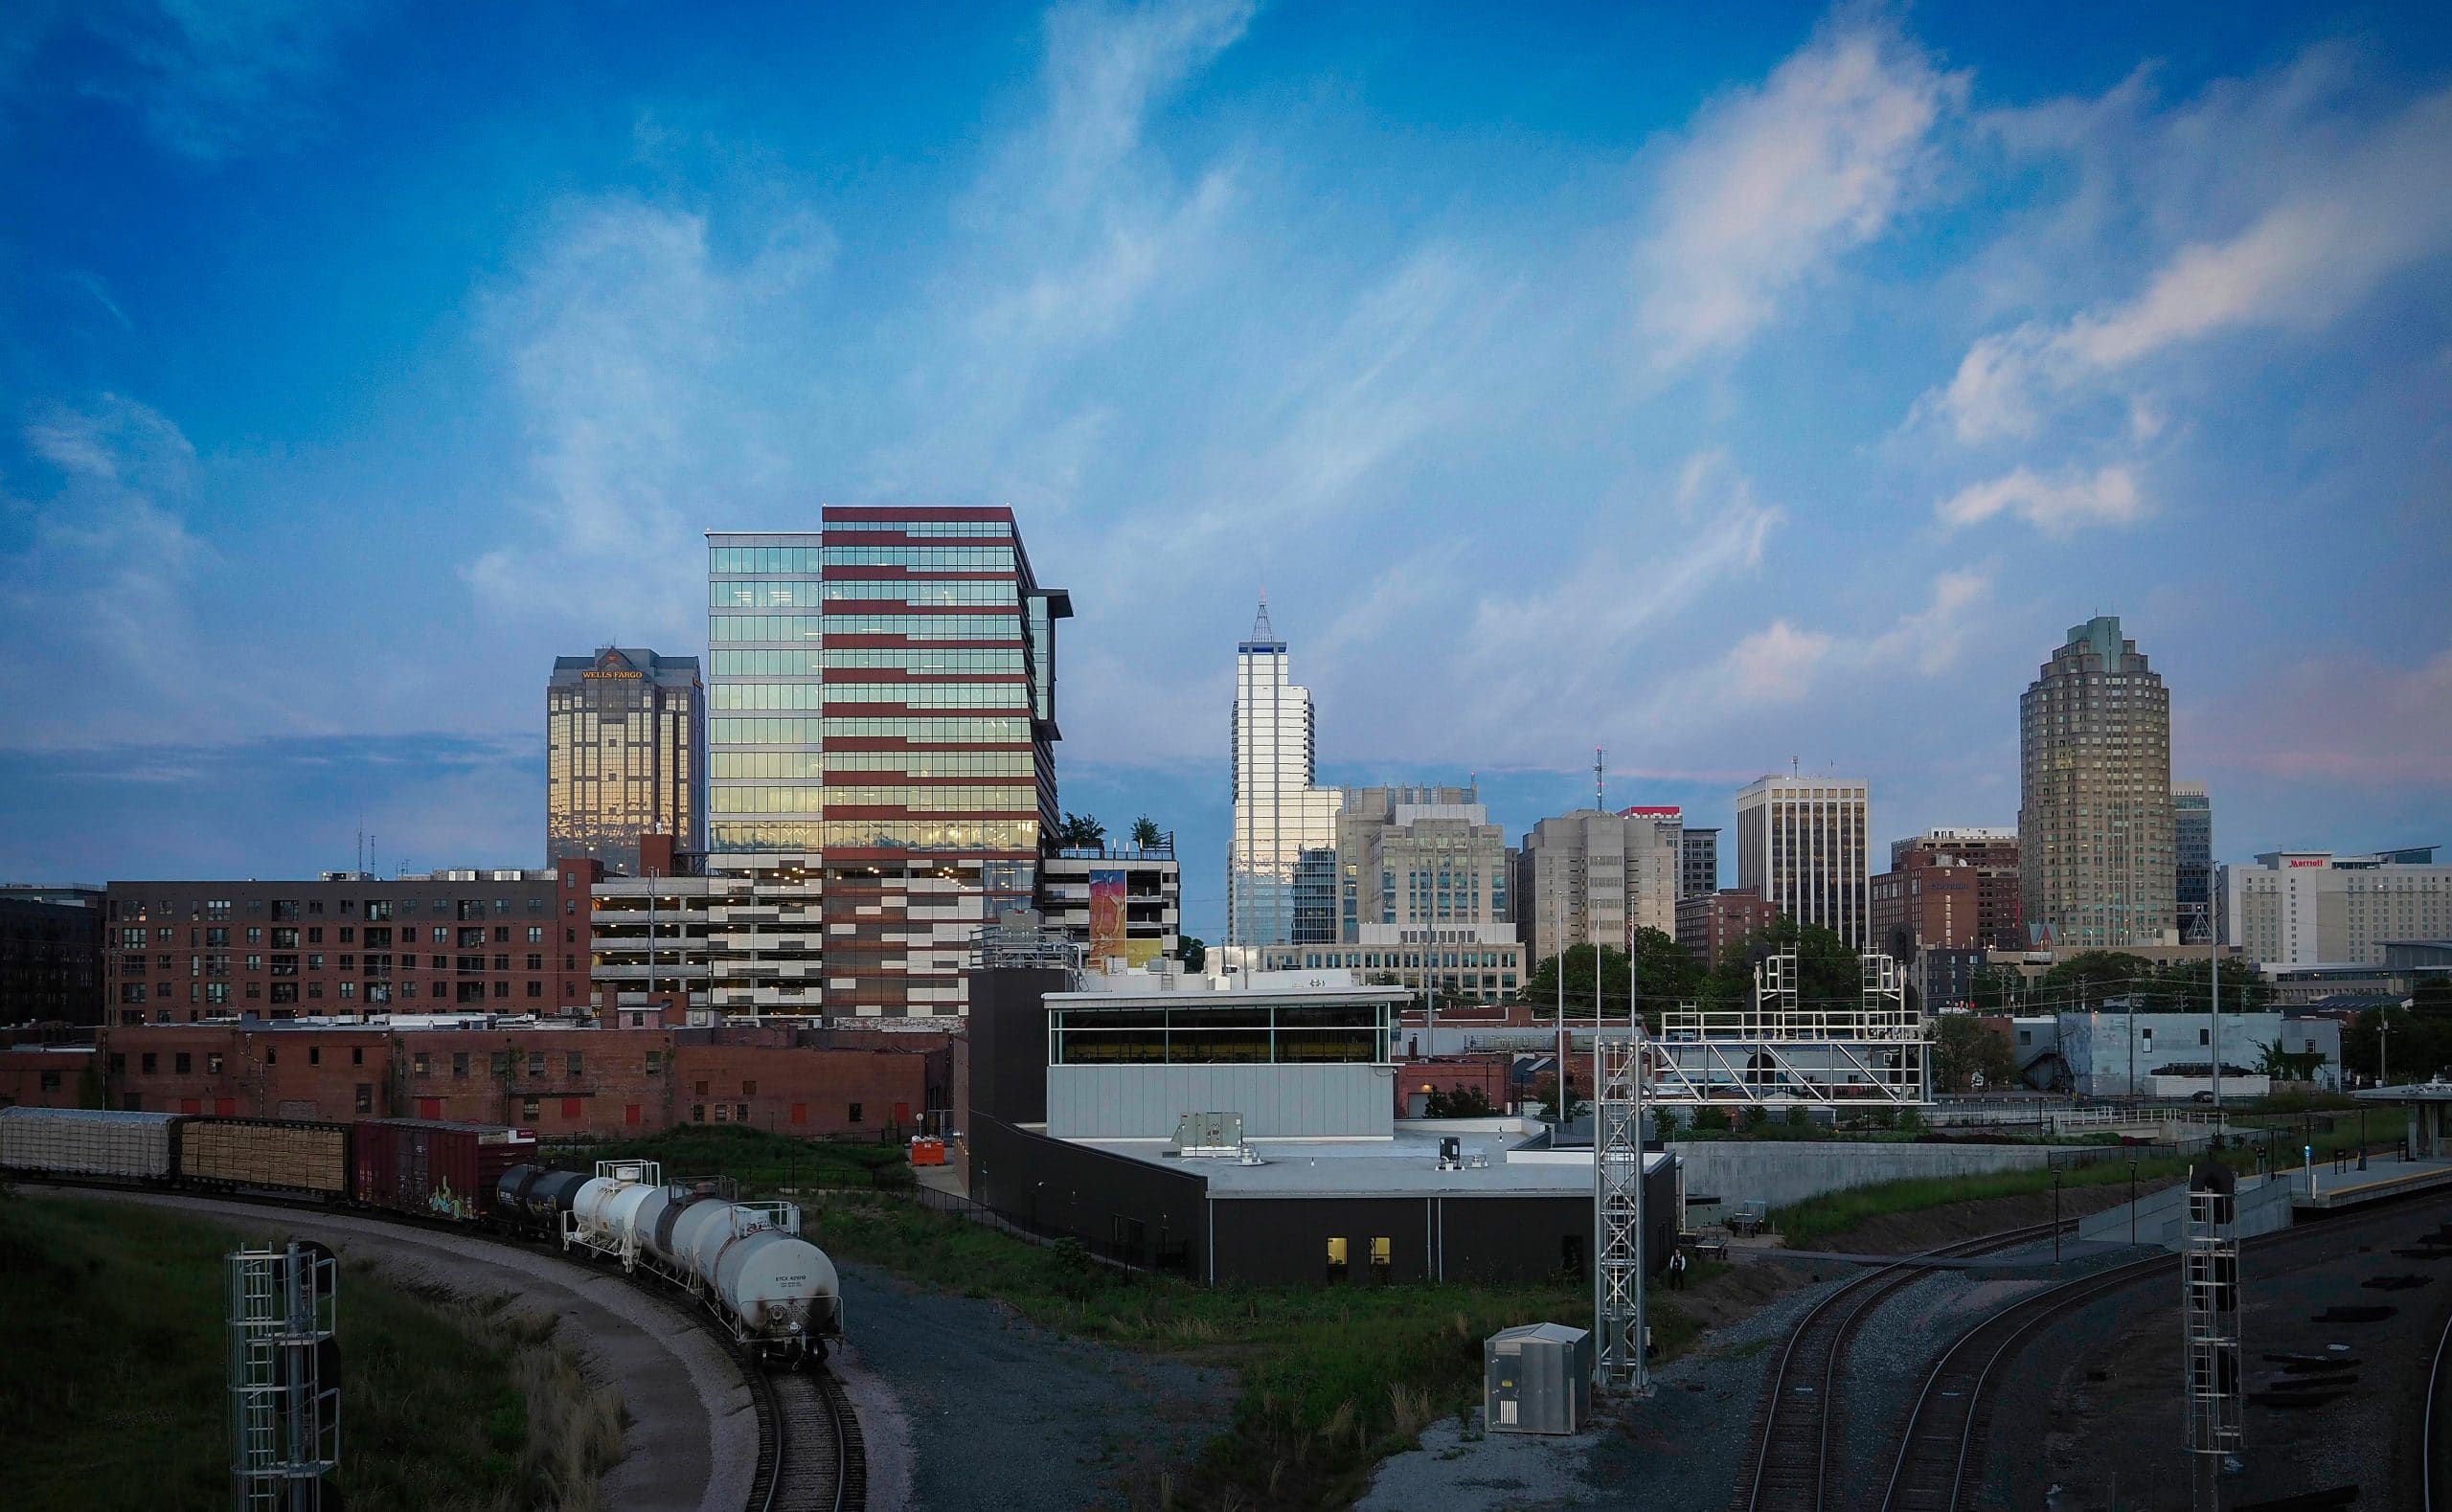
(284,1420)
(2210,1329)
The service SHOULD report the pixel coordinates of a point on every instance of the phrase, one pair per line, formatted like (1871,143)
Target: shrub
(1710,1119)
(1797,1118)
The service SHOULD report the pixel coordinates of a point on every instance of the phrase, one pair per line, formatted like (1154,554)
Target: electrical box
(1536,1379)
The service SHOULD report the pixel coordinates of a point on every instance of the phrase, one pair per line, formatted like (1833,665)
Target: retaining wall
(1778,1173)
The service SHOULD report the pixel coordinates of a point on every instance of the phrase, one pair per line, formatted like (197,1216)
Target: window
(180,1062)
(213,1064)
(855,1113)
(146,1066)
(536,1063)
(51,1081)
(502,934)
(528,1108)
(502,989)
(272,1057)
(349,936)
(536,937)
(418,1063)
(1338,1259)
(536,963)
(536,989)
(118,1064)
(698,1112)
(723,1112)
(655,1062)
(700,1087)
(501,1062)
(1383,1252)
(571,1063)
(741,1113)
(459,1065)
(749,1089)
(366,1096)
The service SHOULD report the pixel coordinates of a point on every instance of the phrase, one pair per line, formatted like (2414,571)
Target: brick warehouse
(559,1082)
(500,942)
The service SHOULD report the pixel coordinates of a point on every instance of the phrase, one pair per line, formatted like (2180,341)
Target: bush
(1714,1120)
(1797,1118)
(1756,1117)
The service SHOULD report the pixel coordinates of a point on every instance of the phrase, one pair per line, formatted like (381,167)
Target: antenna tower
(1599,758)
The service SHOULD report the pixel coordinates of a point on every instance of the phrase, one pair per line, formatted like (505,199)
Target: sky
(1725,387)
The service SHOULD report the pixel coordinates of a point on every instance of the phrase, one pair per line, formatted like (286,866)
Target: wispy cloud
(1776,182)
(2055,507)
(209,81)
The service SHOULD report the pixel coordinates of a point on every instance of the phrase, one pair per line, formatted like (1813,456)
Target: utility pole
(2213,1002)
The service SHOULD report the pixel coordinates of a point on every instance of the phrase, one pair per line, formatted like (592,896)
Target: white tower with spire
(1281,865)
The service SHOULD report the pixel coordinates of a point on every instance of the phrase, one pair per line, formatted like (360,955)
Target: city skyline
(2038,327)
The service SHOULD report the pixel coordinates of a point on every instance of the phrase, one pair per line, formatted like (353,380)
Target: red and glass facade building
(881,729)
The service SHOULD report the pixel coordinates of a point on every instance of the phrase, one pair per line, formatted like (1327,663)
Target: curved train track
(1788,1460)
(1939,1466)
(810,1455)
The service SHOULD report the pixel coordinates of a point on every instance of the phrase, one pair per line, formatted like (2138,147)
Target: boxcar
(447,1170)
(276,1155)
(88,1142)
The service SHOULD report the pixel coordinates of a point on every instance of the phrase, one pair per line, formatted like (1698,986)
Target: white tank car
(776,1291)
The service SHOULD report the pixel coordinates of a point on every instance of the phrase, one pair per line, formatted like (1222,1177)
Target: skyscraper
(1281,861)
(2191,861)
(1801,846)
(1700,875)
(1607,874)
(881,750)
(2095,848)
(625,733)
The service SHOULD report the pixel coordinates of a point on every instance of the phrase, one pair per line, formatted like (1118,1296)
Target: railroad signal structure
(2210,1324)
(1782,1051)
(284,1420)
(1620,1326)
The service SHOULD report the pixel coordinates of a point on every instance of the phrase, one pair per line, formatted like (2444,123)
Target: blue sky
(1719,388)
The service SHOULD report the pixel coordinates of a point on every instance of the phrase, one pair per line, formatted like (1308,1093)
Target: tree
(1829,974)
(1668,975)
(1963,1048)
(2281,1065)
(1999,989)
(1194,952)
(1145,833)
(1545,1091)
(1079,832)
(1457,1102)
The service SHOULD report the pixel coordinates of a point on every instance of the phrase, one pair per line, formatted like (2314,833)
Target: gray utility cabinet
(1536,1379)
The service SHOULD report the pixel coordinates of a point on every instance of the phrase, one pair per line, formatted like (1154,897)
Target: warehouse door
(429,1107)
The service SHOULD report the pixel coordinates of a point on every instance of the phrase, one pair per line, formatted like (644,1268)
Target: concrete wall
(1146,1102)
(2264,1208)
(1778,1173)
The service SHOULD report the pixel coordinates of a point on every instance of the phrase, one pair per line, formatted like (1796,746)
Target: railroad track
(2433,1494)
(1788,1461)
(810,1457)
(1939,1466)
(1945,1429)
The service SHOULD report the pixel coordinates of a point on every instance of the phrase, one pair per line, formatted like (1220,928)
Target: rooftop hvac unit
(1536,1379)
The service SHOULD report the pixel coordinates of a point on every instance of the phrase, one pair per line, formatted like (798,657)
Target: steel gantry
(2210,1329)
(285,1419)
(1617,1213)
(1779,1050)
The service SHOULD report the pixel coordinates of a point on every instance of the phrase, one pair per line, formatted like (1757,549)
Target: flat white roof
(1405,1166)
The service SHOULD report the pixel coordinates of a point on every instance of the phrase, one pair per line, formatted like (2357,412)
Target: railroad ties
(1788,1463)
(811,1457)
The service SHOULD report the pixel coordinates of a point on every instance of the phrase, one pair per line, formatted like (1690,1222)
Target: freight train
(776,1293)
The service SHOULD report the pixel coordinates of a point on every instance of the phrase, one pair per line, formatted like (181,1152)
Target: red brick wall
(41,1078)
(1488,1073)
(607,1083)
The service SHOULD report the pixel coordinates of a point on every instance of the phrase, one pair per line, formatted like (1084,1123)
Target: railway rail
(2433,1493)
(1788,1461)
(810,1455)
(1938,1467)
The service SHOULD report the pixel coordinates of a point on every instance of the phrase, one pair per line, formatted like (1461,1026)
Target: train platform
(2325,1188)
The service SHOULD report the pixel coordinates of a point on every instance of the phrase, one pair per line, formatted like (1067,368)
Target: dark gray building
(1699,875)
(51,955)
(2191,859)
(626,734)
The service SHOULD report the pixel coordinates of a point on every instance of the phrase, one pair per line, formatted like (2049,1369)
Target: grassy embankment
(113,1381)
(1808,1223)
(764,1163)
(1333,1380)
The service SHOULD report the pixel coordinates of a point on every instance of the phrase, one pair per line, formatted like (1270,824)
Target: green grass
(1333,1380)
(112,1383)
(1804,1224)
(762,1163)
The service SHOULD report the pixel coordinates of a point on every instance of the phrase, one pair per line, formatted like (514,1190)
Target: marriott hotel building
(880,754)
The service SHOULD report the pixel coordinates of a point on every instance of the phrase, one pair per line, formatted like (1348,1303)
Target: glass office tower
(881,745)
(624,733)
(1281,863)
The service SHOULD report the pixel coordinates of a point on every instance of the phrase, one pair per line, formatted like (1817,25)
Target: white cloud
(2062,508)
(636,358)
(112,575)
(1777,664)
(2325,233)
(1776,182)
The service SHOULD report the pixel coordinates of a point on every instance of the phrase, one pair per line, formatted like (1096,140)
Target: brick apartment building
(1709,924)
(349,944)
(51,955)
(557,1081)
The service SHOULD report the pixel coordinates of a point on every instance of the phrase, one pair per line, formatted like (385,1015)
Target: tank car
(776,1293)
